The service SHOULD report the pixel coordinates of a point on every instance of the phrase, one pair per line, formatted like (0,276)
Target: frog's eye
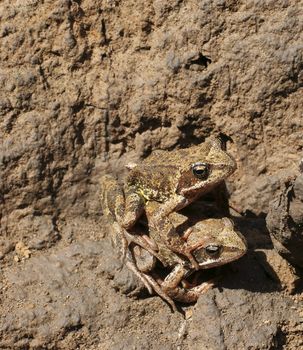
(200,170)
(213,249)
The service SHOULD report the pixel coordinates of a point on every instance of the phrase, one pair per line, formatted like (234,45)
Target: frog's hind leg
(141,276)
(120,241)
(112,200)
(148,281)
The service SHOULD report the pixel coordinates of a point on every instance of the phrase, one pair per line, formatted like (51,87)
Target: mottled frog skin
(174,179)
(212,242)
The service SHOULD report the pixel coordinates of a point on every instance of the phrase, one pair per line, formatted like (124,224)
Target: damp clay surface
(87,86)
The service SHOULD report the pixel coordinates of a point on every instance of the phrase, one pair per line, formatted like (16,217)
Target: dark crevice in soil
(202,60)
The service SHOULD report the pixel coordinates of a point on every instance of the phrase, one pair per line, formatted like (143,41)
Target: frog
(174,179)
(213,242)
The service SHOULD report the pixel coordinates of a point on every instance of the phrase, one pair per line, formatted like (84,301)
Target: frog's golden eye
(200,170)
(210,251)
(213,249)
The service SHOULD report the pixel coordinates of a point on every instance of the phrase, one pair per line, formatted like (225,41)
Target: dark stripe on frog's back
(157,183)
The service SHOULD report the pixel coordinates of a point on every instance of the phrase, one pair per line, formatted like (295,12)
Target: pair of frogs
(162,185)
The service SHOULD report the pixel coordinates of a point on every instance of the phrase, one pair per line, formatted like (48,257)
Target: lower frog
(213,243)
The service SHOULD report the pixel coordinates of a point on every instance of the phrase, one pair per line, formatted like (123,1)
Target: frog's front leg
(164,230)
(189,295)
(134,207)
(176,203)
(113,204)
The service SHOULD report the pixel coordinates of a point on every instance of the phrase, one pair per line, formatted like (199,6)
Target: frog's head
(204,166)
(214,242)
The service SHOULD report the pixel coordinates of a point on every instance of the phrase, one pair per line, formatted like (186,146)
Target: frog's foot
(142,277)
(189,295)
(161,293)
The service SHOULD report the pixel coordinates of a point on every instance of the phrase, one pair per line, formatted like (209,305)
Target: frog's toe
(141,276)
(202,288)
(162,293)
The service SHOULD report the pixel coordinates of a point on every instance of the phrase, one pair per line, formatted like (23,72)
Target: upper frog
(189,172)
(175,178)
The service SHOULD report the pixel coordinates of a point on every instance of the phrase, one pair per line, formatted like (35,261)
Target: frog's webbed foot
(171,287)
(161,293)
(189,295)
(141,276)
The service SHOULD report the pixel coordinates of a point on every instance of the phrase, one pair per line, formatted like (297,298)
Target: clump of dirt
(285,221)
(86,86)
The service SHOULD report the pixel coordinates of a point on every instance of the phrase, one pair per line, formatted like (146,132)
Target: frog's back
(178,157)
(153,182)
